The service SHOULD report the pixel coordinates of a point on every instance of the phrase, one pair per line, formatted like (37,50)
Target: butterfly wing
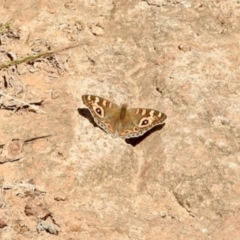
(139,120)
(104,112)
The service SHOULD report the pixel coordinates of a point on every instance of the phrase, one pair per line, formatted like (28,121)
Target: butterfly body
(121,121)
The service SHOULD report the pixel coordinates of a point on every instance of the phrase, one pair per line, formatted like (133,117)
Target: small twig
(35,108)
(36,138)
(31,139)
(35,56)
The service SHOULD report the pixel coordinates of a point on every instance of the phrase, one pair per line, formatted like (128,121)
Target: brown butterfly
(120,121)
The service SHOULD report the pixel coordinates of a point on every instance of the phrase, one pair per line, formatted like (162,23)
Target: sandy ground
(62,177)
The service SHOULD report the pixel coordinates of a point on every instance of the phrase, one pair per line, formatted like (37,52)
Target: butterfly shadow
(84,112)
(135,141)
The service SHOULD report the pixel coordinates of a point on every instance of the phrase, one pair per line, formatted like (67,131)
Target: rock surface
(64,178)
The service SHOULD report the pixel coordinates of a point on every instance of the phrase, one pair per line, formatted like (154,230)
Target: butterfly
(121,121)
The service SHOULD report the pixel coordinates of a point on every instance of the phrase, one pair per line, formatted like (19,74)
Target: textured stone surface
(180,181)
